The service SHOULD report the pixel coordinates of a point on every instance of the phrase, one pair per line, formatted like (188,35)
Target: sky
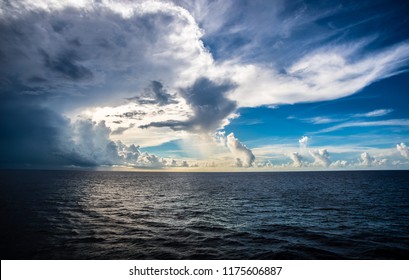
(204,85)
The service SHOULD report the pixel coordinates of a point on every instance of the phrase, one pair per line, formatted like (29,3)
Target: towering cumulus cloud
(61,56)
(297,159)
(90,146)
(304,142)
(321,157)
(403,150)
(366,159)
(244,156)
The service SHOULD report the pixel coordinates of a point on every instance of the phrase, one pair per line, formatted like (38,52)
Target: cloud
(67,56)
(343,154)
(304,142)
(90,53)
(135,114)
(321,157)
(89,144)
(324,74)
(184,164)
(265,164)
(244,156)
(340,164)
(93,49)
(321,120)
(196,60)
(375,113)
(147,160)
(87,49)
(121,130)
(30,135)
(210,106)
(403,150)
(155,94)
(393,122)
(367,160)
(297,159)
(326,120)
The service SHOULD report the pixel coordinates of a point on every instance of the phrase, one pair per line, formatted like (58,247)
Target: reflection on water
(119,215)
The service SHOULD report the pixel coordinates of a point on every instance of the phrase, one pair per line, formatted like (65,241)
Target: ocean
(159,215)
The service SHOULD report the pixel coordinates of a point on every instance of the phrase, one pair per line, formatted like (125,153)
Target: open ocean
(143,215)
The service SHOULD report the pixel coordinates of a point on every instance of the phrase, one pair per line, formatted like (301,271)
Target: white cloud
(265,164)
(321,157)
(321,120)
(403,150)
(324,74)
(340,164)
(147,160)
(343,154)
(326,120)
(133,115)
(375,113)
(244,156)
(297,159)
(393,122)
(91,145)
(367,160)
(304,142)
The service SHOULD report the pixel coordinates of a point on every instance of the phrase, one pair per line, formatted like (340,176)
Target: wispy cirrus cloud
(392,122)
(375,113)
(324,74)
(321,120)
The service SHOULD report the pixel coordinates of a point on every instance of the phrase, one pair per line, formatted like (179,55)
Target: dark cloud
(84,55)
(121,130)
(155,94)
(136,114)
(54,60)
(34,136)
(67,65)
(209,103)
(30,135)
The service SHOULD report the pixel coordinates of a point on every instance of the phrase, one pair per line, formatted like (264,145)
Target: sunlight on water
(119,215)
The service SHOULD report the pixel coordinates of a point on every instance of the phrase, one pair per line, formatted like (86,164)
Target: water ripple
(115,215)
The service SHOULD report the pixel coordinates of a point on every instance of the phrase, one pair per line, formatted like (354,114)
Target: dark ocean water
(119,215)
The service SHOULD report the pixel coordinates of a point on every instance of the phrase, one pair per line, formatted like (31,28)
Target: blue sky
(204,85)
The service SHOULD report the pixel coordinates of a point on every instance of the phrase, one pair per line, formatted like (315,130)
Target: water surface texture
(142,215)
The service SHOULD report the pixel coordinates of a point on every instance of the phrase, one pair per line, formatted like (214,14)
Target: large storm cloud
(59,58)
